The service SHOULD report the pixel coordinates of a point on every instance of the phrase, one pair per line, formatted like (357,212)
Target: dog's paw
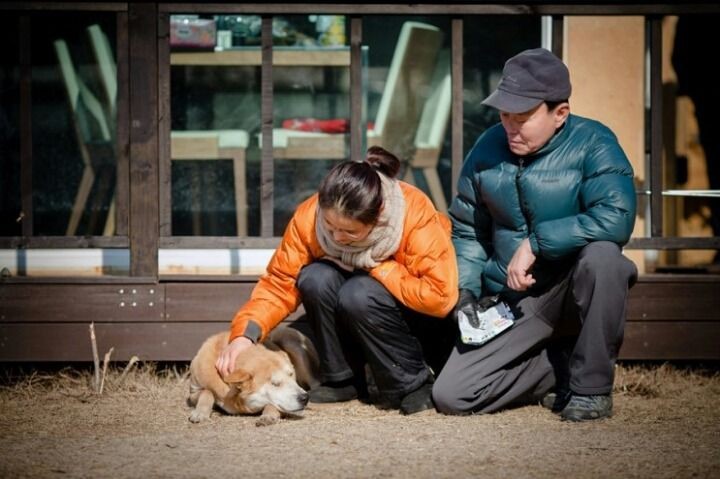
(198,416)
(265,420)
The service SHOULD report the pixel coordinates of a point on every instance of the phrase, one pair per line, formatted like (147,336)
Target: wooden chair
(216,145)
(185,145)
(95,139)
(431,133)
(405,92)
(107,70)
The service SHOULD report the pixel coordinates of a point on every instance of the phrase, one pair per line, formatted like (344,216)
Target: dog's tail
(301,351)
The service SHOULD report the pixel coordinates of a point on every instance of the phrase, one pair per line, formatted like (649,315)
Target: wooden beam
(66,6)
(44,242)
(654,25)
(558,31)
(456,75)
(68,342)
(144,195)
(674,243)
(267,176)
(122,142)
(670,317)
(164,125)
(677,340)
(26,216)
(357,119)
(477,8)
(74,303)
(683,301)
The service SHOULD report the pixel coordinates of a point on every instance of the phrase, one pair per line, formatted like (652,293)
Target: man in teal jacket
(545,202)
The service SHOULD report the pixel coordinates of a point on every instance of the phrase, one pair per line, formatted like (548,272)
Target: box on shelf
(192,33)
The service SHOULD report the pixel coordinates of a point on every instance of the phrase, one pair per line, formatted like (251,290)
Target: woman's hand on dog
(225,363)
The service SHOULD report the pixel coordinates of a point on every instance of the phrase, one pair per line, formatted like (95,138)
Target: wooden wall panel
(70,303)
(205,302)
(209,301)
(669,318)
(671,340)
(70,342)
(677,301)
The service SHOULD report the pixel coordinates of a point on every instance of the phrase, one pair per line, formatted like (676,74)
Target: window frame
(143,126)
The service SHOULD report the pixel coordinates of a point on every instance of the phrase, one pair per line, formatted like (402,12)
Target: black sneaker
(586,408)
(334,392)
(418,400)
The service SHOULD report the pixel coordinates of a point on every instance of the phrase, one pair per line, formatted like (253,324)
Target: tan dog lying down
(267,378)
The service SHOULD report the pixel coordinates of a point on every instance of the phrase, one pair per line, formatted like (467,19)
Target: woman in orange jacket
(371,260)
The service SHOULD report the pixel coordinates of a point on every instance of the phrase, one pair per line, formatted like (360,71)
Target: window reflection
(215,89)
(10,207)
(72,125)
(215,85)
(692,166)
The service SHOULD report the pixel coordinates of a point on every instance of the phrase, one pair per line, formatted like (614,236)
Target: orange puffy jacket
(422,274)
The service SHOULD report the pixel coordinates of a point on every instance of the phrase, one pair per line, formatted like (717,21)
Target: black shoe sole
(324,395)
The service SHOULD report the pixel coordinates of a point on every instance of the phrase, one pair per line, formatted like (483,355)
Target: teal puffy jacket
(576,189)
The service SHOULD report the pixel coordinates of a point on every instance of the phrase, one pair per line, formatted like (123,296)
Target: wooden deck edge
(670,317)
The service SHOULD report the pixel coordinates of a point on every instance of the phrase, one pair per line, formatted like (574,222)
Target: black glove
(487,302)
(468,305)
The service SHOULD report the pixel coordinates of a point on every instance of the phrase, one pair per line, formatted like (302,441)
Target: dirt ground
(666,425)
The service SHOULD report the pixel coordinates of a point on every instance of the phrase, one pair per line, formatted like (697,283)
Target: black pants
(588,303)
(356,320)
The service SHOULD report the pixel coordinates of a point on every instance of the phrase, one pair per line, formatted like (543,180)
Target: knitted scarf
(383,240)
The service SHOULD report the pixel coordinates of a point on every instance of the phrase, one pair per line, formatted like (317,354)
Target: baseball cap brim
(511,103)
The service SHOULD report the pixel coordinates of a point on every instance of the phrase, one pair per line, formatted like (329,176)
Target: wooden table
(301,145)
(252,56)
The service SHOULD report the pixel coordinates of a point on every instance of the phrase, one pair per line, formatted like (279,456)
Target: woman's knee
(358,296)
(317,278)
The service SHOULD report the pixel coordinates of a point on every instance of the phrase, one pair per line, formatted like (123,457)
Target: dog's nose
(303,398)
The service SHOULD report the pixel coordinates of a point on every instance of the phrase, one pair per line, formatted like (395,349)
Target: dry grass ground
(666,425)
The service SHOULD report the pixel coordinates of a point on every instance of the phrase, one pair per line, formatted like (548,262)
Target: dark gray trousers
(588,304)
(355,320)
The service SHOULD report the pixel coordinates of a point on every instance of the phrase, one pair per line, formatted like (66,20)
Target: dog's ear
(238,378)
(301,351)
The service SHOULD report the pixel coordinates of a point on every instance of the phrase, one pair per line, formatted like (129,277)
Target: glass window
(215,105)
(72,126)
(311,106)
(692,150)
(489,41)
(410,97)
(216,115)
(10,206)
(215,87)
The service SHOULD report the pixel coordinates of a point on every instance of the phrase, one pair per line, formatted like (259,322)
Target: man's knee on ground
(447,401)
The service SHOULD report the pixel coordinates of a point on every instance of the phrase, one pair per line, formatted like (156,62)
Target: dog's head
(263,377)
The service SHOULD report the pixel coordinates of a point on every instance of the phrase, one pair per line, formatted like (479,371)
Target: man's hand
(518,276)
(467,304)
(225,363)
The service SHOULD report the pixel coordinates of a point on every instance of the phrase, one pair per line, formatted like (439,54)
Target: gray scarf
(383,240)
